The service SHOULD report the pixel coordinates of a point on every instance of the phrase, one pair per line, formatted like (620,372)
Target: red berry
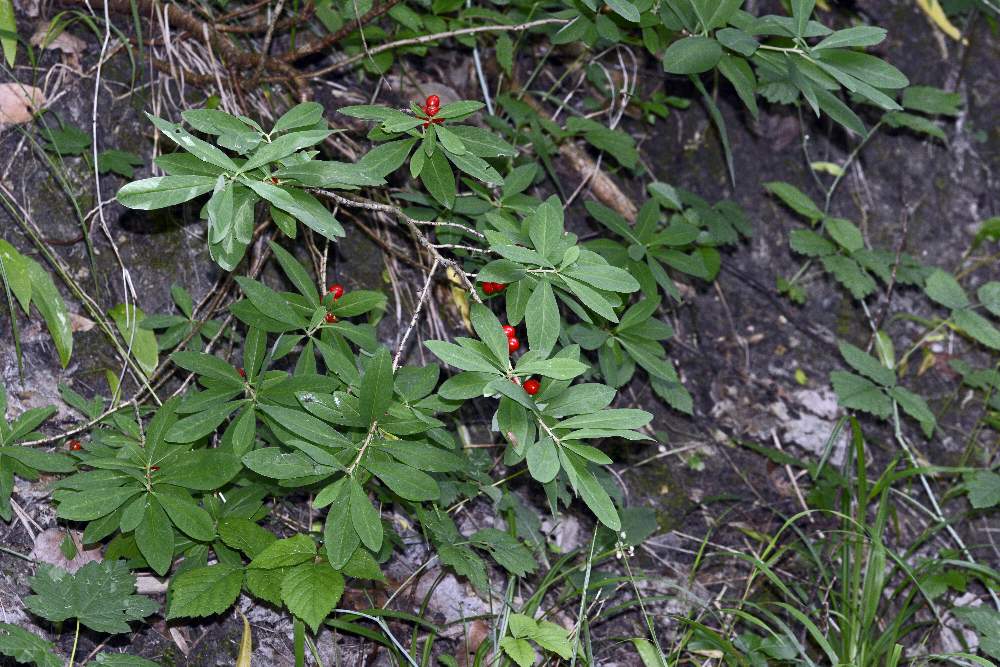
(432,105)
(154,468)
(330,318)
(499,287)
(242,372)
(337,290)
(487,288)
(532,386)
(75,446)
(509,331)
(513,344)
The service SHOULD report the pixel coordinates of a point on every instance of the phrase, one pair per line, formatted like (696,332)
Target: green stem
(76,637)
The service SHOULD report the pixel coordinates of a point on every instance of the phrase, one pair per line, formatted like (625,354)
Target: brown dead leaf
(19,102)
(47,549)
(70,45)
(80,323)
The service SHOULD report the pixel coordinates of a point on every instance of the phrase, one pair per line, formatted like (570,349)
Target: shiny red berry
(499,287)
(330,318)
(337,290)
(154,468)
(242,372)
(75,446)
(532,386)
(513,344)
(509,331)
(432,105)
(487,288)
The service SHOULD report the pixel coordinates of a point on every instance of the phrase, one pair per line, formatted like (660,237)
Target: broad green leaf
(543,461)
(91,504)
(942,287)
(300,205)
(930,100)
(365,518)
(866,364)
(311,591)
(269,302)
(857,393)
(19,644)
(489,330)
(795,199)
(439,180)
(861,35)
(624,418)
(99,594)
(558,368)
(305,114)
(340,540)
(155,537)
(409,483)
(282,147)
(518,650)
(50,304)
(204,591)
(461,357)
(285,553)
(375,393)
(915,406)
(190,519)
(201,149)
(692,55)
(976,326)
(202,470)
(387,158)
(541,317)
(483,143)
(624,9)
(596,498)
(736,40)
(16,272)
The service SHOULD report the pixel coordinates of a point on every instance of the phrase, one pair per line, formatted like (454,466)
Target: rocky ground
(739,346)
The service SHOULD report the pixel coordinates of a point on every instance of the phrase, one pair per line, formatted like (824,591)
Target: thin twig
(416,313)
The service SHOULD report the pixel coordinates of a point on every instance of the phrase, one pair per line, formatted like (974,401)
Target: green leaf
(808,242)
(483,143)
(845,233)
(91,504)
(989,296)
(591,299)
(202,470)
(140,342)
(984,489)
(986,621)
(375,393)
(866,364)
(200,424)
(245,535)
(207,365)
(913,122)
(795,199)
(558,368)
(296,273)
(339,537)
(16,273)
(519,650)
(596,498)
(541,317)
(850,274)
(857,393)
(282,147)
(120,162)
(203,591)
(50,304)
(305,114)
(99,594)
(862,35)
(736,40)
(489,330)
(740,74)
(692,55)
(285,553)
(24,646)
(930,100)
(8,32)
(365,518)
(269,302)
(555,638)
(604,276)
(300,205)
(460,108)
(580,399)
(942,287)
(915,406)
(408,483)
(624,418)
(439,180)
(867,68)
(543,460)
(386,158)
(201,149)
(155,536)
(976,326)
(648,653)
(327,174)
(312,591)
(461,357)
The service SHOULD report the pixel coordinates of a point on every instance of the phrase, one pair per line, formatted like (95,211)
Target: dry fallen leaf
(47,549)
(18,103)
(70,45)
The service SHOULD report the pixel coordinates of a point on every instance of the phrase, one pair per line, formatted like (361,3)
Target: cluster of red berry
(513,345)
(431,108)
(75,446)
(493,288)
(337,290)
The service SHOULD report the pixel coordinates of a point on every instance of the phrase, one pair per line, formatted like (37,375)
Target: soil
(756,363)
